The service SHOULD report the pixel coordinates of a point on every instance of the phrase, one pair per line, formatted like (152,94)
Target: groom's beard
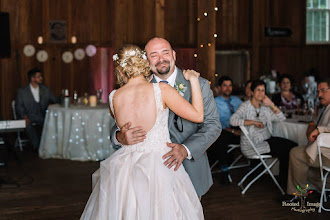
(165,69)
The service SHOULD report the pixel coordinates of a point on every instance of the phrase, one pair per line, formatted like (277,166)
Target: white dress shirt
(171,82)
(35,93)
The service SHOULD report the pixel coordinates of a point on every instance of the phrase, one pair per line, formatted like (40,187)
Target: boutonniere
(181,88)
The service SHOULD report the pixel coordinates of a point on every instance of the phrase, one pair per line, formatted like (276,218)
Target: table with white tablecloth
(291,129)
(77,133)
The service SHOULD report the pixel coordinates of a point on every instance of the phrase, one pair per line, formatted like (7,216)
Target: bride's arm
(193,112)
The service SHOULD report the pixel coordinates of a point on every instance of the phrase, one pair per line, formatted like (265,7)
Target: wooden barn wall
(110,23)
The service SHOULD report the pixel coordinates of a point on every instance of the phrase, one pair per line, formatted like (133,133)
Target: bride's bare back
(135,103)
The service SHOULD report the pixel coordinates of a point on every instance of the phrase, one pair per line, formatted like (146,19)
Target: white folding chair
(262,159)
(234,164)
(323,141)
(19,141)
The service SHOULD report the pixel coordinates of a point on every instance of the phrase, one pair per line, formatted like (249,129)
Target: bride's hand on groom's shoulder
(189,74)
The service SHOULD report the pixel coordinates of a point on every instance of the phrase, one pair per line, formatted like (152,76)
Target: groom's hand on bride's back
(128,135)
(176,156)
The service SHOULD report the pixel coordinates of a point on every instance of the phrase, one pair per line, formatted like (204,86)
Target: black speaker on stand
(4,35)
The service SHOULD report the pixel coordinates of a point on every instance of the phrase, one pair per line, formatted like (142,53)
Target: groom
(189,140)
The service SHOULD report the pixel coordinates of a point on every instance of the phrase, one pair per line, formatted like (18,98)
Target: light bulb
(73,39)
(40,40)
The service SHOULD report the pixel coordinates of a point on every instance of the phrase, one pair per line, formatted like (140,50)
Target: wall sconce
(73,39)
(40,40)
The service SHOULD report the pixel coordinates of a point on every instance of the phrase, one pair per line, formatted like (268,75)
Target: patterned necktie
(231,107)
(320,116)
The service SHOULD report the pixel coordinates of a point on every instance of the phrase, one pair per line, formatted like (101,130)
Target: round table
(77,133)
(291,129)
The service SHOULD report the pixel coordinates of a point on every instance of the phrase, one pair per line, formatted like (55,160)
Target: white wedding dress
(133,183)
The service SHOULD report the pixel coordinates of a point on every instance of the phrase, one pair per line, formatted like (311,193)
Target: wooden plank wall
(110,23)
(89,21)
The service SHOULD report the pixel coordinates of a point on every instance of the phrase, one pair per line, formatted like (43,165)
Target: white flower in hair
(115,57)
(132,53)
(144,56)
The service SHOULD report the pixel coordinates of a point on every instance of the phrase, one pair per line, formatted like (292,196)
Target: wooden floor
(59,189)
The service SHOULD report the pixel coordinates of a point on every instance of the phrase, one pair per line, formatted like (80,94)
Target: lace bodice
(158,135)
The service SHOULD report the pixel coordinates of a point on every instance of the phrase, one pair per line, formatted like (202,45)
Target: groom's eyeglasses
(178,123)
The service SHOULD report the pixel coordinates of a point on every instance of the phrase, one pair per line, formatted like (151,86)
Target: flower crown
(127,55)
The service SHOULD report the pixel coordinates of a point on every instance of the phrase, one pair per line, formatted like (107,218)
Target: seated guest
(302,158)
(247,91)
(287,98)
(257,115)
(226,105)
(31,105)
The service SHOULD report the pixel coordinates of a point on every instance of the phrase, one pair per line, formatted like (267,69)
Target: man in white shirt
(31,105)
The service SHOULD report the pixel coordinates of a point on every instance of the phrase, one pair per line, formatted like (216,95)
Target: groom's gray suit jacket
(197,137)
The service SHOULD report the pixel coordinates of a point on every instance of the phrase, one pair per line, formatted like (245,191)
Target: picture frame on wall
(57,31)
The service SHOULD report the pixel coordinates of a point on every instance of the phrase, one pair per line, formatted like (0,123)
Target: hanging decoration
(42,56)
(67,57)
(29,50)
(90,50)
(79,54)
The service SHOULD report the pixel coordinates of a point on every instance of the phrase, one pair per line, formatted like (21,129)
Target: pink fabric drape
(103,72)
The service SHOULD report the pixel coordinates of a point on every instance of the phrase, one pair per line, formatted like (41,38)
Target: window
(317,21)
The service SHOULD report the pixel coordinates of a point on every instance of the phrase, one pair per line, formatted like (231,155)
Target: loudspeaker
(4,35)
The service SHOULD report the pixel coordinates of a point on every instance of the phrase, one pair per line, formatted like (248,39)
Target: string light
(216,75)
(214,35)
(40,40)
(73,39)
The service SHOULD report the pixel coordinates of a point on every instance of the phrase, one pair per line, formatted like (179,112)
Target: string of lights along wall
(215,35)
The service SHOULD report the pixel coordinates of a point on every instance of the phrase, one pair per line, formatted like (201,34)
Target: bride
(133,183)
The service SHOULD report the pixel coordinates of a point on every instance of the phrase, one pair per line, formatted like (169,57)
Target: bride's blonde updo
(131,62)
